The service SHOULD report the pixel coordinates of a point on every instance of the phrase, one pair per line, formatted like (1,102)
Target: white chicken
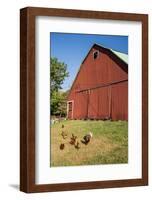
(87,138)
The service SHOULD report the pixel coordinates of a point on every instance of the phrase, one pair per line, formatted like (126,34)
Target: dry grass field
(109,144)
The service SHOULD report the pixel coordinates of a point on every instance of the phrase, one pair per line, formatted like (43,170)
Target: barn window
(95,54)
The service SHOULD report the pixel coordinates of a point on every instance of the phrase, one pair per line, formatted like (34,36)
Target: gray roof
(121,55)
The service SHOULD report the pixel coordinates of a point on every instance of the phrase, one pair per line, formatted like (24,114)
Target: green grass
(109,144)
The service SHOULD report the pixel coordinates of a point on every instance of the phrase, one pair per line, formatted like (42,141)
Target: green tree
(58,73)
(59,103)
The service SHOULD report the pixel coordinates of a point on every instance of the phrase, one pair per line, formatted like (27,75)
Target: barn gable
(113,55)
(100,73)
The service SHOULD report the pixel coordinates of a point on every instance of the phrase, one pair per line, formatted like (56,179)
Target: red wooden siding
(81,103)
(99,103)
(120,101)
(100,90)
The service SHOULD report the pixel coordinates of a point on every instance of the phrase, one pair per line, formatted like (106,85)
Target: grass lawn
(109,144)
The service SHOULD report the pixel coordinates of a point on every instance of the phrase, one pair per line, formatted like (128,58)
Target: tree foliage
(59,103)
(58,73)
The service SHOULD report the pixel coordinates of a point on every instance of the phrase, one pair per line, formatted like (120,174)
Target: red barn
(100,89)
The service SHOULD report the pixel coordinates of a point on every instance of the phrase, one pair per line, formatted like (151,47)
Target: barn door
(119,107)
(99,103)
(70,109)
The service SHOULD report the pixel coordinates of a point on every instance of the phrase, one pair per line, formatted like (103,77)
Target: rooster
(73,139)
(87,138)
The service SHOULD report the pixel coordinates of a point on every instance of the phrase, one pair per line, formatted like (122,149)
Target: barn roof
(122,56)
(119,54)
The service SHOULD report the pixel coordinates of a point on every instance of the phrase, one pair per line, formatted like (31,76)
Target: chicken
(73,139)
(87,138)
(77,145)
(62,146)
(64,135)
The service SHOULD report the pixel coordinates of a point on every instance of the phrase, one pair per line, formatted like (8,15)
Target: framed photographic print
(84,99)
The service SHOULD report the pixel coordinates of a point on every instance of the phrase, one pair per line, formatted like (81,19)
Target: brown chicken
(64,135)
(77,145)
(73,139)
(62,146)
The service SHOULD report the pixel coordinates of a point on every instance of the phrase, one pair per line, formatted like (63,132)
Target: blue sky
(72,48)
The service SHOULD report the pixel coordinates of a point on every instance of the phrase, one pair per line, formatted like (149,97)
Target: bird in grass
(64,135)
(77,145)
(73,139)
(87,138)
(62,146)
(62,125)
